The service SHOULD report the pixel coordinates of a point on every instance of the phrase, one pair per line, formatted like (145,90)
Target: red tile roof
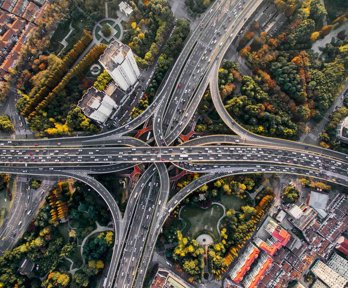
(8,5)
(30,11)
(246,265)
(18,24)
(9,34)
(20,7)
(282,236)
(258,277)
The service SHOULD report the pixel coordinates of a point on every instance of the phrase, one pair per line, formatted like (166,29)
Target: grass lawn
(200,220)
(232,202)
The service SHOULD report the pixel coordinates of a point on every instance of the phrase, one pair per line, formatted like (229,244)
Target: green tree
(6,124)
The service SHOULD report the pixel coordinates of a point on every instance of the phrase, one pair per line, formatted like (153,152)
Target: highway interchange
(214,156)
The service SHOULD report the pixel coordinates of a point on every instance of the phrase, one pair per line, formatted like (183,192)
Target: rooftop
(126,8)
(244,263)
(167,279)
(319,202)
(114,55)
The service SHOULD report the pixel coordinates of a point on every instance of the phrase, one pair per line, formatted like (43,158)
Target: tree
(248,211)
(290,194)
(314,36)
(6,124)
(106,30)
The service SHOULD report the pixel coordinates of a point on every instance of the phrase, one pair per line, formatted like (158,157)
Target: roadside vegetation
(328,138)
(53,242)
(148,30)
(209,121)
(198,6)
(166,59)
(6,124)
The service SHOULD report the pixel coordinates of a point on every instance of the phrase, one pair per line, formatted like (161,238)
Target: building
(328,276)
(258,272)
(21,8)
(118,60)
(279,238)
(342,129)
(319,202)
(338,264)
(125,8)
(342,245)
(167,279)
(244,263)
(278,233)
(318,284)
(16,23)
(97,105)
(280,216)
(301,216)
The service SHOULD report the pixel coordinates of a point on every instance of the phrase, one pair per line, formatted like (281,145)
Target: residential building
(318,284)
(342,245)
(319,202)
(97,105)
(301,216)
(244,263)
(258,271)
(16,17)
(118,60)
(342,129)
(338,264)
(327,275)
(167,279)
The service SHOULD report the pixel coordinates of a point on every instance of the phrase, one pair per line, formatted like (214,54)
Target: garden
(68,242)
(210,226)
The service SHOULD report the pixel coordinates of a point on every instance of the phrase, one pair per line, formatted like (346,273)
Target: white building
(97,105)
(118,60)
(339,264)
(330,277)
(125,8)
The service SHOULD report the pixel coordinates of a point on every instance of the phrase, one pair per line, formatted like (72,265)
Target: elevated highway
(174,106)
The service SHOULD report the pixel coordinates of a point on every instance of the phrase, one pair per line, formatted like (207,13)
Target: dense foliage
(198,6)
(50,241)
(50,106)
(328,138)
(253,107)
(166,59)
(209,120)
(290,194)
(295,83)
(6,124)
(148,29)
